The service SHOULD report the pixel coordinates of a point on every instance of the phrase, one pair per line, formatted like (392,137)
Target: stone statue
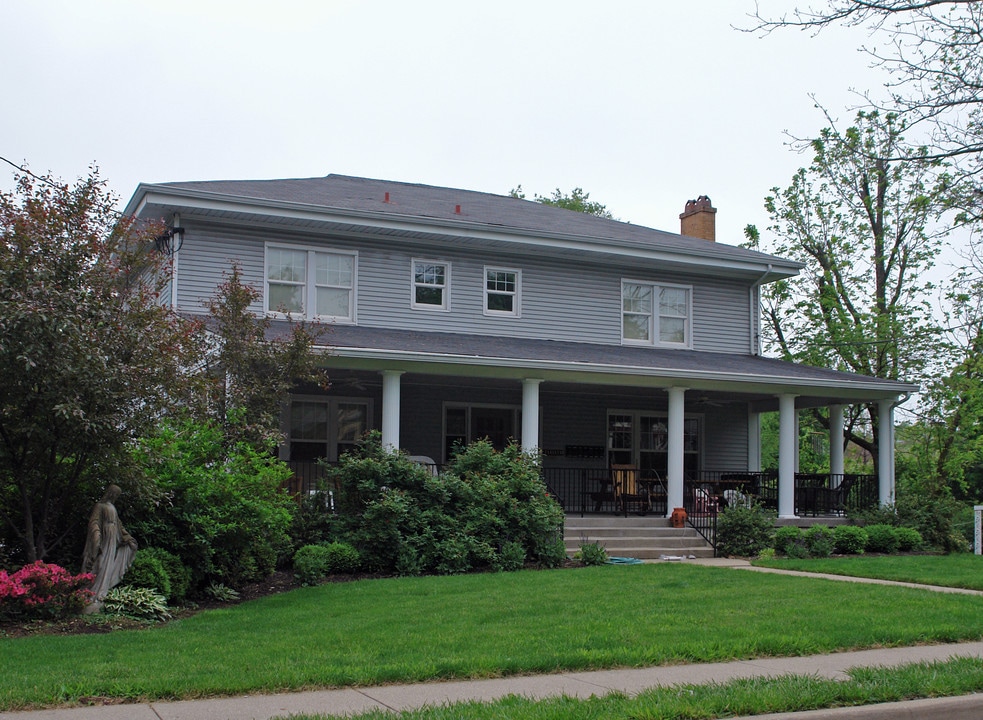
(109,549)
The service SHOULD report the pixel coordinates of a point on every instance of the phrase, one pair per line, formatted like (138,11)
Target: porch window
(464,424)
(310,284)
(654,314)
(642,439)
(502,291)
(325,428)
(430,285)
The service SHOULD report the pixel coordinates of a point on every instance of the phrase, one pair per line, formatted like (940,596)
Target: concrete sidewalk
(574,684)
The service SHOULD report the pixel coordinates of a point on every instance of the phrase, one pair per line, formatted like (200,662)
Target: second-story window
(655,314)
(431,281)
(311,284)
(501,291)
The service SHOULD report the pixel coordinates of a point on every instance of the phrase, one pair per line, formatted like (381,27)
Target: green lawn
(415,629)
(961,570)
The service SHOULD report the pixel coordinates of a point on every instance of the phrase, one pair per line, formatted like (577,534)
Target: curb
(962,707)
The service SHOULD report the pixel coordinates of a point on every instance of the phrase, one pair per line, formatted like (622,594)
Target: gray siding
(560,300)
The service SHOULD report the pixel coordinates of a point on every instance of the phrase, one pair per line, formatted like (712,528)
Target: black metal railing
(591,490)
(701,512)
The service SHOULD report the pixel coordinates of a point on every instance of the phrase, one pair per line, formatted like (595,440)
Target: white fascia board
(774,267)
(671,376)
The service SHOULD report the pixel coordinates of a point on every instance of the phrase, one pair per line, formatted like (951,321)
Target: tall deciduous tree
(933,52)
(862,226)
(577,200)
(945,448)
(88,357)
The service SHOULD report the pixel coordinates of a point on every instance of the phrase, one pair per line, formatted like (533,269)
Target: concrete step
(658,532)
(644,538)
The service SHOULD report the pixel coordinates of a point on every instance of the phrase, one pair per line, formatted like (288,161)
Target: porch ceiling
(720,377)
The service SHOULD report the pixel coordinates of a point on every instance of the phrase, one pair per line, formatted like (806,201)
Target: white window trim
(517,295)
(446,305)
(654,323)
(309,283)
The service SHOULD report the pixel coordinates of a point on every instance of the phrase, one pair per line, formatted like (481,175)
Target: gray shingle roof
(431,346)
(427,202)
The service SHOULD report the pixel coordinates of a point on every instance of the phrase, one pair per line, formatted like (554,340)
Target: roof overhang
(155,201)
(756,380)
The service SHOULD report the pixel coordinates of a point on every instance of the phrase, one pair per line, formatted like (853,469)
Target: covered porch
(683,427)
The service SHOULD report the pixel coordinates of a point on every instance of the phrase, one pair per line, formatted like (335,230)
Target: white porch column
(530,415)
(677,417)
(836,442)
(787,442)
(390,409)
(753,441)
(885,450)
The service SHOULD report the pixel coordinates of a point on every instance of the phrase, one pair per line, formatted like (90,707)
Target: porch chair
(735,498)
(627,490)
(839,494)
(703,501)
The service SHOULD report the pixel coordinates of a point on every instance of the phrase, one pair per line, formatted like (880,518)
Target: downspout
(176,222)
(755,312)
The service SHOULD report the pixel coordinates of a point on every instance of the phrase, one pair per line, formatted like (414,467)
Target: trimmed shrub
(743,531)
(342,559)
(403,519)
(147,571)
(178,575)
(138,603)
(222,509)
(511,556)
(908,539)
(553,554)
(882,539)
(788,541)
(311,564)
(818,541)
(849,539)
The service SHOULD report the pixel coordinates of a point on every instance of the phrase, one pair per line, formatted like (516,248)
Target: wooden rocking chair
(627,490)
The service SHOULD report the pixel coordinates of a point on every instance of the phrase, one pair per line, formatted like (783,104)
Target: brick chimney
(697,220)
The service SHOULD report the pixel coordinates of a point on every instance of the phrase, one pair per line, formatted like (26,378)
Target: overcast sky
(644,104)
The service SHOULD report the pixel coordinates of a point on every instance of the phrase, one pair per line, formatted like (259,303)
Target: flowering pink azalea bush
(42,590)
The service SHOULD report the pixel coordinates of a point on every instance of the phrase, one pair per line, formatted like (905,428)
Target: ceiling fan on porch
(348,383)
(707,401)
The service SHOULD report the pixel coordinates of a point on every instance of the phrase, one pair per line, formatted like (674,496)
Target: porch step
(645,538)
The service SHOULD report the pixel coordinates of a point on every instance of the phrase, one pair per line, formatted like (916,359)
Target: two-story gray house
(456,315)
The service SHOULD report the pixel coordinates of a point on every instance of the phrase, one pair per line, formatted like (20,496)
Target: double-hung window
(502,291)
(310,284)
(431,285)
(325,428)
(656,314)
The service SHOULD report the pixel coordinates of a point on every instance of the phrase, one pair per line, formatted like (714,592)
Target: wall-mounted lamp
(170,241)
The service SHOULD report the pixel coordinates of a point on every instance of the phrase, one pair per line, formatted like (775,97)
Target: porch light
(170,241)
